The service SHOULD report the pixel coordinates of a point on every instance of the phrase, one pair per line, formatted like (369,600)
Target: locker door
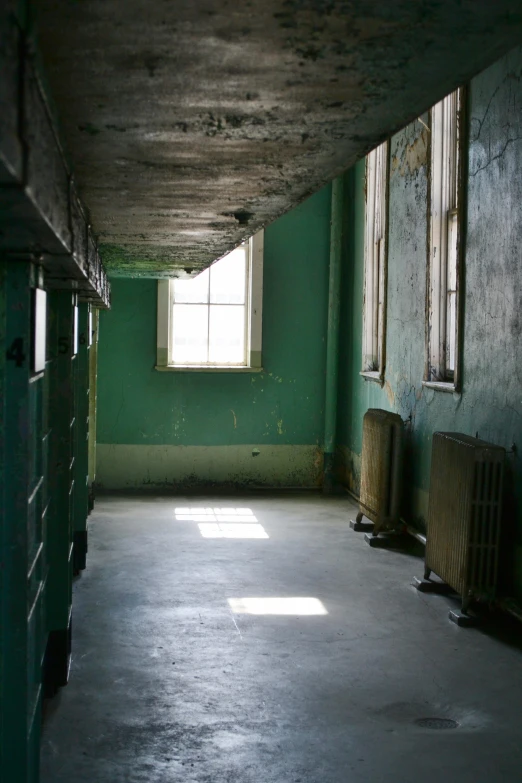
(81,460)
(63,339)
(93,370)
(22,523)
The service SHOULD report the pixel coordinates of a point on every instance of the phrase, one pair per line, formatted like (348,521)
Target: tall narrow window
(375,259)
(444,240)
(214,319)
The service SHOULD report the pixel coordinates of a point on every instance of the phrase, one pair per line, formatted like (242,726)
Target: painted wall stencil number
(15,353)
(63,345)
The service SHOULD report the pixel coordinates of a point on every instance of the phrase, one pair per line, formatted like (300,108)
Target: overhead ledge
(41,214)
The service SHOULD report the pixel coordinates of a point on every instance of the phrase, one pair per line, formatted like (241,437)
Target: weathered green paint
(283,405)
(22,571)
(332,334)
(491,399)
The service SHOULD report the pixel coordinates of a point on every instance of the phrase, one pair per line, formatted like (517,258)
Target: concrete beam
(41,215)
(192,124)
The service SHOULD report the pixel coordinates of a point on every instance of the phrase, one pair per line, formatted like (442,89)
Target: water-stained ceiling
(190,124)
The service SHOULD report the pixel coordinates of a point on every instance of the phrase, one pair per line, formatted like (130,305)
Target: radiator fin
(381,468)
(464,514)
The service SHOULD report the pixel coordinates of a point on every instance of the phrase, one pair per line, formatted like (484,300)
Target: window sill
(204,368)
(372,376)
(444,386)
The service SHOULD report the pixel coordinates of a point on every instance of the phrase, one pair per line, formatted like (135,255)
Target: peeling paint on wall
(282,405)
(491,399)
(411,156)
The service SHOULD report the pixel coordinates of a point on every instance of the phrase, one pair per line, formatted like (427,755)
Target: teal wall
(282,406)
(491,399)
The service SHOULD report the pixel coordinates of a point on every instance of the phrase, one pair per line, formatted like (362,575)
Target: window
(213,321)
(443,244)
(375,260)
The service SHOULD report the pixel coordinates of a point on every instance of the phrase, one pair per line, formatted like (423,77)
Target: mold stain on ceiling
(190,125)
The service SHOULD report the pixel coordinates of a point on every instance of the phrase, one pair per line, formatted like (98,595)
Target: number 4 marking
(16,352)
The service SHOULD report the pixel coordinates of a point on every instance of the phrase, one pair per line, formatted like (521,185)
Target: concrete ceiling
(191,124)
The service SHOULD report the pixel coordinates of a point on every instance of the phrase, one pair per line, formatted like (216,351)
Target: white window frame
(375,264)
(254,311)
(444,241)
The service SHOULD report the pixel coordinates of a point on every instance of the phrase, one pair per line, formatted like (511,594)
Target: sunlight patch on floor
(298,606)
(228,530)
(215,514)
(223,522)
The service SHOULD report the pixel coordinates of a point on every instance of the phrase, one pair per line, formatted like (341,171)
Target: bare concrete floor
(175,679)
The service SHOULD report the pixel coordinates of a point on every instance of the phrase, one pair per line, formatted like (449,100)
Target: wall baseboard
(198,468)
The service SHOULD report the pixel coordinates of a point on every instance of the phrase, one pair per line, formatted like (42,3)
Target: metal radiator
(381,471)
(464,514)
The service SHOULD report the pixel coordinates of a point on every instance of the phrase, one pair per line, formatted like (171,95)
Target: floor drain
(436,723)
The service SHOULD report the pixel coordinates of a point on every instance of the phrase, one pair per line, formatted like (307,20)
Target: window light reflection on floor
(215,514)
(297,606)
(228,530)
(223,522)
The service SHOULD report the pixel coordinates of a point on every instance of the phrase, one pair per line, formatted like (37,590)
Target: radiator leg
(427,586)
(359,526)
(427,572)
(463,619)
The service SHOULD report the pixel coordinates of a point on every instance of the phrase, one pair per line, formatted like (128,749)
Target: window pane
(452,250)
(190,334)
(374,258)
(227,334)
(227,278)
(452,332)
(193,291)
(451,303)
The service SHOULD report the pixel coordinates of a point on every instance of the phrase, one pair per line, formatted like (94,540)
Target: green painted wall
(283,406)
(491,399)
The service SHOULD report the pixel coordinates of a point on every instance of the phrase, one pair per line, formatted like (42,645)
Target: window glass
(193,291)
(209,313)
(228,278)
(374,306)
(190,334)
(444,237)
(227,334)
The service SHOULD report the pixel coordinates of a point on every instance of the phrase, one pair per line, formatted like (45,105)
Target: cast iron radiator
(381,470)
(464,514)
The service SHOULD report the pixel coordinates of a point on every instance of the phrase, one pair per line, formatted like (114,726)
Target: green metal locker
(23,446)
(81,458)
(93,370)
(63,345)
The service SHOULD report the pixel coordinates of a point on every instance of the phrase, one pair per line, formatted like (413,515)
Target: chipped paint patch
(413,157)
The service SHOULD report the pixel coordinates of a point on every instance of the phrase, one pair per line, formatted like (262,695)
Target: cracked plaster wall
(491,399)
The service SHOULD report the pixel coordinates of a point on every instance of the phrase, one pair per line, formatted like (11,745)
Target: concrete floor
(168,684)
